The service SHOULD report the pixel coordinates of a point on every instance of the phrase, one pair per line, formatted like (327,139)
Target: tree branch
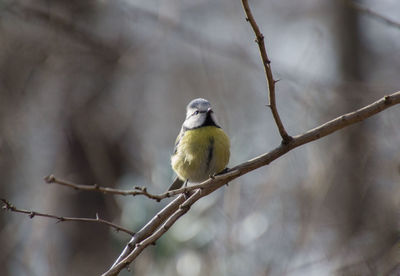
(8,206)
(151,227)
(138,247)
(106,190)
(136,190)
(268,71)
(171,213)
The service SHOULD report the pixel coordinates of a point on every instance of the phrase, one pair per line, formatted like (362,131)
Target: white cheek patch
(194,121)
(189,112)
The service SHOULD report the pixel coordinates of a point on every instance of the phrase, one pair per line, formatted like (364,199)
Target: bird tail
(176,184)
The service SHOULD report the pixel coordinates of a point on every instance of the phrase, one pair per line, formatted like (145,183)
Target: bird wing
(178,139)
(176,184)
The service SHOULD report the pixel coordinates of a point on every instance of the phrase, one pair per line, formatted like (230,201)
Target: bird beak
(209,110)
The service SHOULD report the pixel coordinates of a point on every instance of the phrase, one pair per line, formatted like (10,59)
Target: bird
(202,148)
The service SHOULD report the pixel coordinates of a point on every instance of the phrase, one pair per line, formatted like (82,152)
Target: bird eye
(196,112)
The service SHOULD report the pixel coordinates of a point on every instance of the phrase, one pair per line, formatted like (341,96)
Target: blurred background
(95,92)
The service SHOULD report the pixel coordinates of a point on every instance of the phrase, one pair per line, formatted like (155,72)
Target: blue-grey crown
(199,104)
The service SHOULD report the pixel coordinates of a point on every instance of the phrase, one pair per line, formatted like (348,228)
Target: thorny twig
(268,72)
(8,206)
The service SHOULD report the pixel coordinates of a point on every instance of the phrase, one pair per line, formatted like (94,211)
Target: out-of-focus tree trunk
(348,182)
(353,196)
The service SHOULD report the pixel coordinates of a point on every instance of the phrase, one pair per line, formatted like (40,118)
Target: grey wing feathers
(176,184)
(178,139)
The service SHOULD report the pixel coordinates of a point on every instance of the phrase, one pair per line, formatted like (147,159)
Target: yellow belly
(201,152)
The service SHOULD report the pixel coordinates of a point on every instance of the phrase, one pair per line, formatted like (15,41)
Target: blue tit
(201,148)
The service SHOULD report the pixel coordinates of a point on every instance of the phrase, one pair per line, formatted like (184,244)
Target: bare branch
(136,190)
(8,206)
(151,226)
(138,247)
(268,71)
(166,217)
(105,190)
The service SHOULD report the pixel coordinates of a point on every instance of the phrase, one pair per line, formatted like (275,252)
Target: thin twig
(268,71)
(372,13)
(137,190)
(165,218)
(8,206)
(105,190)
